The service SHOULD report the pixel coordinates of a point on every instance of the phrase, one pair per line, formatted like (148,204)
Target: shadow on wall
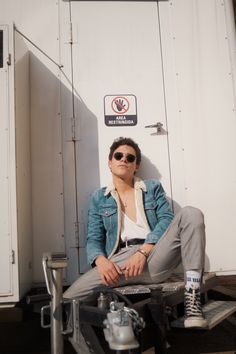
(60,166)
(149,170)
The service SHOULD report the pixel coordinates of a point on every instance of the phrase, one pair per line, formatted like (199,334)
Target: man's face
(123,163)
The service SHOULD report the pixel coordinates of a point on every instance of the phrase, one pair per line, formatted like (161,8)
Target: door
(118,86)
(5,233)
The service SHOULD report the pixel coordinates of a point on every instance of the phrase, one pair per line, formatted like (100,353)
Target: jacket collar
(138,184)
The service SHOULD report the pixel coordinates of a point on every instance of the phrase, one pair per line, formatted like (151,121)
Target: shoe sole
(195,323)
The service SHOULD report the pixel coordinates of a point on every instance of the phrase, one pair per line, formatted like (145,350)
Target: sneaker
(194,317)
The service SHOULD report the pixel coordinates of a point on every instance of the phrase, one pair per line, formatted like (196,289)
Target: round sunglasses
(129,157)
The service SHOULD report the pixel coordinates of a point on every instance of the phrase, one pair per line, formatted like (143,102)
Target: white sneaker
(194,317)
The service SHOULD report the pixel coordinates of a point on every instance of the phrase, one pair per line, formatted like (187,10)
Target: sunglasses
(129,157)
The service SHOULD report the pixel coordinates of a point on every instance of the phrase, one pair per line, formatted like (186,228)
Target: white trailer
(63,64)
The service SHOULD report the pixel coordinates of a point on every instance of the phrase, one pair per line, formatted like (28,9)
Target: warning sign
(120,110)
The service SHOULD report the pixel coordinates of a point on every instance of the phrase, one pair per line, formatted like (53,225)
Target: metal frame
(87,317)
(151,307)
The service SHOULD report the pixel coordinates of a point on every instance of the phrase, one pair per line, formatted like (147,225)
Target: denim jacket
(104,221)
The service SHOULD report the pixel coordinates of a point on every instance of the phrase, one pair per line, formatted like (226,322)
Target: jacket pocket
(150,208)
(109,216)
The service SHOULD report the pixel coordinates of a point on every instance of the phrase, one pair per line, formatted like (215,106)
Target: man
(133,236)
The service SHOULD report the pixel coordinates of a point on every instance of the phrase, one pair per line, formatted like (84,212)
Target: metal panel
(199,80)
(39,21)
(46,142)
(5,206)
(23,163)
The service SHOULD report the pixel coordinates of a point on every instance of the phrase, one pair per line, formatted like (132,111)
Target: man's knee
(193,215)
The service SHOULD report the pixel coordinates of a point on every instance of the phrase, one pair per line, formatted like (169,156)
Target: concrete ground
(20,332)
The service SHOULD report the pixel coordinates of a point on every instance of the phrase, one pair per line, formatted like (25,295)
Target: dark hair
(125,141)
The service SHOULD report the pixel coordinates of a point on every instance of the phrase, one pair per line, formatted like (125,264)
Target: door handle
(158,125)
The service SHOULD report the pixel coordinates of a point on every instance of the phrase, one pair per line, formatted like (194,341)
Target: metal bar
(45,265)
(53,265)
(37,47)
(56,313)
(30,299)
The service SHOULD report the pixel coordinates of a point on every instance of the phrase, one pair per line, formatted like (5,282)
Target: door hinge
(70,33)
(76,234)
(73,33)
(12,257)
(71,126)
(9,59)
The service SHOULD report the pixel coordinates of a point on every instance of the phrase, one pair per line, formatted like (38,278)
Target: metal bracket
(9,59)
(158,125)
(71,127)
(43,309)
(12,257)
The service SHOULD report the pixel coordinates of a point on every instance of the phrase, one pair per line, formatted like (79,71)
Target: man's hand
(109,271)
(135,263)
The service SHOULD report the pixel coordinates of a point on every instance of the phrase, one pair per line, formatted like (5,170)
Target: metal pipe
(56,312)
(53,265)
(31,299)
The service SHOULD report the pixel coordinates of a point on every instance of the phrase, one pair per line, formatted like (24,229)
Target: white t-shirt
(131,229)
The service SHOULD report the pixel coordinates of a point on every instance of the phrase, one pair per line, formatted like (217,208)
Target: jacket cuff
(93,259)
(152,238)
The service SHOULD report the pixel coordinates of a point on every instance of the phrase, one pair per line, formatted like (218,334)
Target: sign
(120,110)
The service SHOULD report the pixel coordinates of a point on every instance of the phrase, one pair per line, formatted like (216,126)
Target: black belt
(132,242)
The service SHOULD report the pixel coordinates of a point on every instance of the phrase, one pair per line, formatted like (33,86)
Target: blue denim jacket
(104,222)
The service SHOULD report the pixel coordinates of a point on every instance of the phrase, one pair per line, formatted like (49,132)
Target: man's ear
(109,164)
(137,167)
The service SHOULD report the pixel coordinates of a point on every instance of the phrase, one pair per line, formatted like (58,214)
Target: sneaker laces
(193,305)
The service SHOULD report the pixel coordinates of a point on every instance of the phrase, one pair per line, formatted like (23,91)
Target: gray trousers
(184,240)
